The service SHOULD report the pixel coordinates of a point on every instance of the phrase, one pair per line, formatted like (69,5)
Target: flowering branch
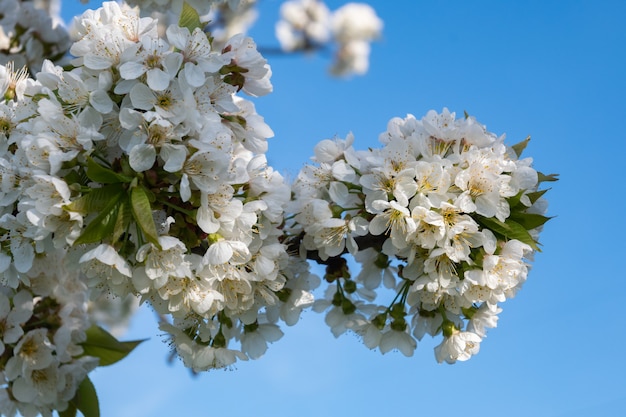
(138,170)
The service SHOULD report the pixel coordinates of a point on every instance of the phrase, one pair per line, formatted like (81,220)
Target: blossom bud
(380,320)
(382,261)
(337,299)
(398,325)
(469,312)
(448,328)
(347,306)
(336,211)
(283,294)
(349,286)
(219,341)
(397,311)
(249,328)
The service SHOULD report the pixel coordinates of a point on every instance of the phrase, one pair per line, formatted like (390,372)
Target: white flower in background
(104,265)
(304,24)
(32,352)
(351,58)
(354,26)
(12,319)
(356,21)
(29,34)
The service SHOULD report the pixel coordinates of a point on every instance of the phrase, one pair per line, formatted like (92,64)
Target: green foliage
(142,212)
(508,230)
(529,220)
(85,401)
(534,196)
(95,200)
(98,173)
(102,345)
(124,217)
(520,146)
(547,178)
(189,18)
(103,225)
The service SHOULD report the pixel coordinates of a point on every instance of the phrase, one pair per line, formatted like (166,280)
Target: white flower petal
(142,157)
(158,79)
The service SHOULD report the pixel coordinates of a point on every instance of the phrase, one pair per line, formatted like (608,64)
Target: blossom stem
(177,208)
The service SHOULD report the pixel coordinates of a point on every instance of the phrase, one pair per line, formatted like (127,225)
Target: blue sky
(555,70)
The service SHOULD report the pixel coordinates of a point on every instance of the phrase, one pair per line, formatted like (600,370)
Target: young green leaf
(534,196)
(86,400)
(98,173)
(70,411)
(519,147)
(509,229)
(529,220)
(101,344)
(547,178)
(515,200)
(124,217)
(142,212)
(103,224)
(96,200)
(189,18)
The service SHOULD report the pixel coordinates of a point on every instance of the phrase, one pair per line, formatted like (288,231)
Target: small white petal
(142,157)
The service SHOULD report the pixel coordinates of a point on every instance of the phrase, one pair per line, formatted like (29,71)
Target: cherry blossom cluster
(43,324)
(202,7)
(28,35)
(444,215)
(140,171)
(225,18)
(308,24)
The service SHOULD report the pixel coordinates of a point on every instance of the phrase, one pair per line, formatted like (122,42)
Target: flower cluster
(140,171)
(42,327)
(203,7)
(28,35)
(308,25)
(444,215)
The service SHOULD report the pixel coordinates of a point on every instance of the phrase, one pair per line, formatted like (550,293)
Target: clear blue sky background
(555,70)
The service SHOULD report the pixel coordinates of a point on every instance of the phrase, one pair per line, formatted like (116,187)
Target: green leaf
(515,200)
(101,344)
(142,212)
(70,411)
(73,177)
(189,18)
(519,147)
(103,224)
(86,400)
(534,196)
(96,200)
(547,178)
(124,217)
(509,230)
(98,173)
(529,220)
